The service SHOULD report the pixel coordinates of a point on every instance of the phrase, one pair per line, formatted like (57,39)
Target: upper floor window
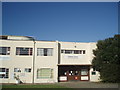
(44,52)
(23,51)
(83,51)
(77,51)
(4,50)
(4,73)
(68,51)
(73,51)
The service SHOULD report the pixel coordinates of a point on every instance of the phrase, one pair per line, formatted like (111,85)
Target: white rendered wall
(14,61)
(83,59)
(94,78)
(47,61)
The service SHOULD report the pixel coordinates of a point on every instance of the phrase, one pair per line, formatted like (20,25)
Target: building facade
(31,61)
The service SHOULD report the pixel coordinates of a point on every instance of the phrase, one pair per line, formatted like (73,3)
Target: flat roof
(31,38)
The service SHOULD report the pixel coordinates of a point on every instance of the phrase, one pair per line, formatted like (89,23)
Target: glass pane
(17,51)
(62,51)
(83,51)
(30,51)
(84,72)
(5,74)
(49,51)
(80,52)
(2,69)
(45,52)
(76,51)
(3,50)
(27,70)
(76,73)
(40,52)
(17,70)
(44,73)
(24,51)
(93,73)
(68,51)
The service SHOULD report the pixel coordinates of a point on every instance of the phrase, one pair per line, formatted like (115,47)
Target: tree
(107,59)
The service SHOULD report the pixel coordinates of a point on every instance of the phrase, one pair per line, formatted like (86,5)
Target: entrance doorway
(73,73)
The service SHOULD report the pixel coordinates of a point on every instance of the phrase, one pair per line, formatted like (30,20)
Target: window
(4,50)
(23,51)
(27,69)
(62,51)
(17,70)
(68,51)
(73,51)
(4,73)
(83,51)
(93,73)
(44,52)
(84,72)
(44,73)
(62,72)
(77,51)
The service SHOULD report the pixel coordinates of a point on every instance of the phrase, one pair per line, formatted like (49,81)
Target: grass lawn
(33,86)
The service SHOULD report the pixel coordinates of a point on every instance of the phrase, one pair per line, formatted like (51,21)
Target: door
(73,75)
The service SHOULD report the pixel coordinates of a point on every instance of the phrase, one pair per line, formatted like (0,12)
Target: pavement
(88,85)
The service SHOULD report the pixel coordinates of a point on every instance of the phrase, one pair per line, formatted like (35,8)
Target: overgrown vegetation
(107,59)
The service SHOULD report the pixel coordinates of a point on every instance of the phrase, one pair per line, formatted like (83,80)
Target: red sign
(76,78)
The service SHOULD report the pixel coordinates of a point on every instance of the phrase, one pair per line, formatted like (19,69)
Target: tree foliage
(107,59)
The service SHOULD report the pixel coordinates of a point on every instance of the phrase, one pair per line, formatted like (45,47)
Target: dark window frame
(6,75)
(73,51)
(84,52)
(93,72)
(24,51)
(4,50)
(44,52)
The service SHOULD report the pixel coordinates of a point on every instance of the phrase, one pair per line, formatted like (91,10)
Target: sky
(62,21)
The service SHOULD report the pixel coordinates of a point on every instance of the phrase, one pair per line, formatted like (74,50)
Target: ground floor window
(4,73)
(93,72)
(84,71)
(27,69)
(44,73)
(17,70)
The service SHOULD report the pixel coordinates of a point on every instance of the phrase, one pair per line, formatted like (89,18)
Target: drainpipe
(33,60)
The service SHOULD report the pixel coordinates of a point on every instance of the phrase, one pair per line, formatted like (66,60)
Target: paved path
(88,85)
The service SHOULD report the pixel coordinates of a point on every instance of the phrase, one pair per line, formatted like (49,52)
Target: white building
(33,61)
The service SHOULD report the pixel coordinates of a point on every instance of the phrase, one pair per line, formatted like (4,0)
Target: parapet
(10,37)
